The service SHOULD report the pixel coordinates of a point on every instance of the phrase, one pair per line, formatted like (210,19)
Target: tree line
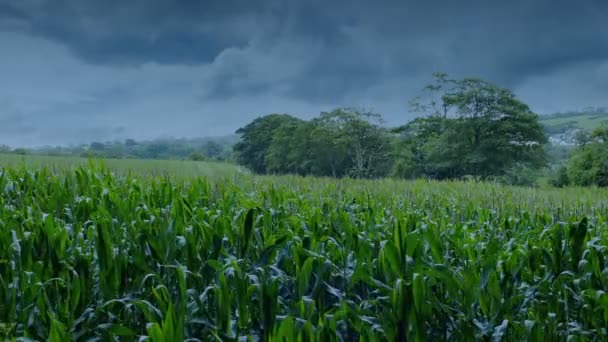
(210,149)
(468,128)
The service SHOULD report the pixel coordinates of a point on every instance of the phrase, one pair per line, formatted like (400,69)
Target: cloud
(53,97)
(586,83)
(76,71)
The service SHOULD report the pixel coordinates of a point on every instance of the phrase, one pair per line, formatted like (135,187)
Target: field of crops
(88,254)
(139,167)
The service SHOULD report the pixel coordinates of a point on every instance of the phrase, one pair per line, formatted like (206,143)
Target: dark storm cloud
(221,63)
(121,32)
(519,37)
(360,44)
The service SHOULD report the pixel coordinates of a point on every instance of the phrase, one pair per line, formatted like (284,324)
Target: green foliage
(560,178)
(215,148)
(474,129)
(140,167)
(256,140)
(357,137)
(586,119)
(588,164)
(196,156)
(21,151)
(89,254)
(343,142)
(520,175)
(293,149)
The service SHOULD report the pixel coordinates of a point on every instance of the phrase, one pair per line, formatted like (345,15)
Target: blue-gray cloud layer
(76,70)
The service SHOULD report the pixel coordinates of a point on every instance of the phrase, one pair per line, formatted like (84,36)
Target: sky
(76,71)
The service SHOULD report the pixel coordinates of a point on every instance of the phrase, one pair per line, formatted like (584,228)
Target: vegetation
(340,143)
(588,163)
(218,149)
(587,119)
(474,129)
(191,249)
(467,129)
(139,167)
(563,127)
(89,254)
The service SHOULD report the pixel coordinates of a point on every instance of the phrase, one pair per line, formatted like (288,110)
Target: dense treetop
(470,128)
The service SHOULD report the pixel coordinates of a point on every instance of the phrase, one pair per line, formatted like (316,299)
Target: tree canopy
(474,128)
(343,142)
(468,127)
(256,139)
(588,164)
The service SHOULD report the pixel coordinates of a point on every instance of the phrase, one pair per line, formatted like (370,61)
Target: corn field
(89,254)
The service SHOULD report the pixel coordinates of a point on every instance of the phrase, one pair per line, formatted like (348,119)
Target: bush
(589,165)
(560,179)
(196,156)
(520,175)
(21,151)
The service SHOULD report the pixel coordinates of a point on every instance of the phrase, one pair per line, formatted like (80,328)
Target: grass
(585,121)
(91,254)
(142,167)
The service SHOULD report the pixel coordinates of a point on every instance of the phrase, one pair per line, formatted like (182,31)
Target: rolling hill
(562,127)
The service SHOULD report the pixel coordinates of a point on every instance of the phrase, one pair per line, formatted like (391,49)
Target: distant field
(584,121)
(176,168)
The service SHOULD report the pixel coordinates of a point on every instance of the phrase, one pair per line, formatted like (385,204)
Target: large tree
(343,142)
(292,149)
(256,139)
(354,143)
(475,128)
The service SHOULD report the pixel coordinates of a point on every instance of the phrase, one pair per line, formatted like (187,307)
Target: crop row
(88,254)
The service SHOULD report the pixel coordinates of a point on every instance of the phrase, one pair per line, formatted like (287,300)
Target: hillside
(561,127)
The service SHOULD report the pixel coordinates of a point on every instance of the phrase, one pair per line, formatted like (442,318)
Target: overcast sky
(77,71)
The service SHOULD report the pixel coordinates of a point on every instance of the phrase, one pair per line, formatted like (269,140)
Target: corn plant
(93,254)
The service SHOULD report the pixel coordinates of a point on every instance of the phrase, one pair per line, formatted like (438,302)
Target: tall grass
(139,167)
(91,254)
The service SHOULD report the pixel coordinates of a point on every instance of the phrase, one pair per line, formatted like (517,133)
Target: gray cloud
(77,70)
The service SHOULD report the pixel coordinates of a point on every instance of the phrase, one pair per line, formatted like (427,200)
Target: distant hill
(562,127)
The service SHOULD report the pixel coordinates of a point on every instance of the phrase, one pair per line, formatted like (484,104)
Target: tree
(343,142)
(330,149)
(588,164)
(256,138)
(97,146)
(416,154)
(361,145)
(582,137)
(21,151)
(560,178)
(130,142)
(156,150)
(292,149)
(476,128)
(213,150)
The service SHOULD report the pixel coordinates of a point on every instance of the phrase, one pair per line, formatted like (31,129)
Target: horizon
(584,111)
(75,72)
